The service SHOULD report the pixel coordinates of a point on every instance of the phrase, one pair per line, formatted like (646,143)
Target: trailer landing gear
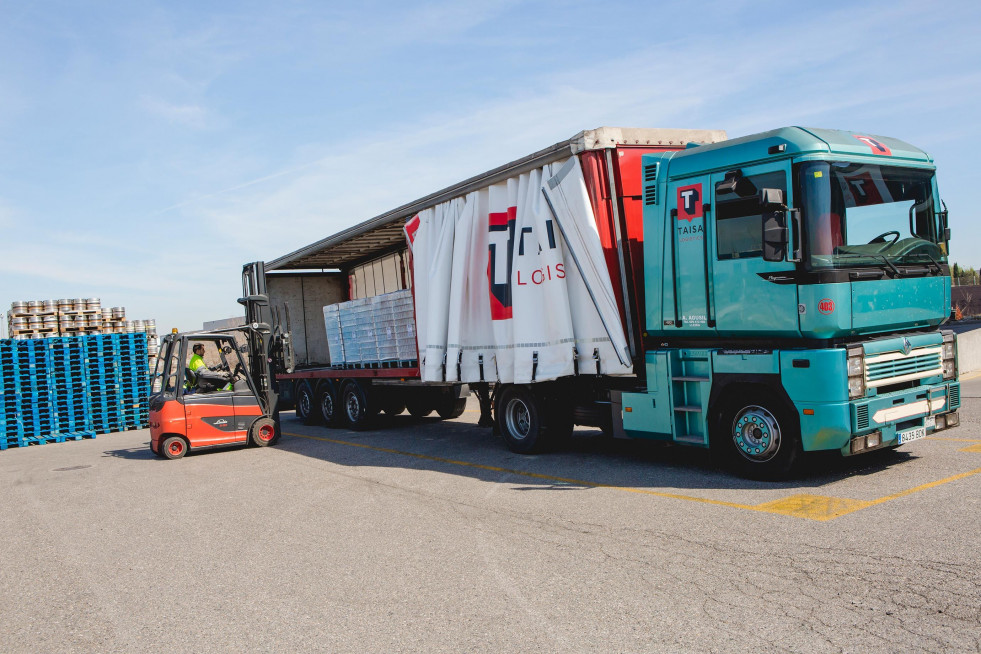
(482,391)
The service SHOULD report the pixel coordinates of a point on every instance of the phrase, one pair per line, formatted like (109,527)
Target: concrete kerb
(968,347)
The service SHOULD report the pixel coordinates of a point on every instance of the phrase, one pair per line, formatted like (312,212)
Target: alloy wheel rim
(518,419)
(756,434)
(353,407)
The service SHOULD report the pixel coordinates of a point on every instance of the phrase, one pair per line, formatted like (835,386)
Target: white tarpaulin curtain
(511,284)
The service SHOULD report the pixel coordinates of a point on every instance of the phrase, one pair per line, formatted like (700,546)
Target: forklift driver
(203,377)
(197,359)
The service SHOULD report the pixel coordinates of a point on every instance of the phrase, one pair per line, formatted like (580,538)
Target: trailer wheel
(757,436)
(523,421)
(354,407)
(419,407)
(306,404)
(327,403)
(263,432)
(173,447)
(451,407)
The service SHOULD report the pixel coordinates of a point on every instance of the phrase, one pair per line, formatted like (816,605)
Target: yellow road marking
(811,507)
(969,448)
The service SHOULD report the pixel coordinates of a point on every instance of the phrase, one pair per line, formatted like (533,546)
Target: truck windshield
(867,215)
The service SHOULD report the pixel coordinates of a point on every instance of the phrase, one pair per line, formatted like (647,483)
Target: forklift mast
(269,341)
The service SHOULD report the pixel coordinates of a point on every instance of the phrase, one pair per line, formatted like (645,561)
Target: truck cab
(796,283)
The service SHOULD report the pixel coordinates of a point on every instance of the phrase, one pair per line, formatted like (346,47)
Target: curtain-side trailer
(762,296)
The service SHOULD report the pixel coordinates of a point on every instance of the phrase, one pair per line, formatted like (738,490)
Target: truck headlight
(949,355)
(856,372)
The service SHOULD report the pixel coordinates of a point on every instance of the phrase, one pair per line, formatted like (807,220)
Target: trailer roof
(384,232)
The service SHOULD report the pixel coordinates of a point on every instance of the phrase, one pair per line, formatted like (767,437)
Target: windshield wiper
(889,263)
(934,262)
(885,260)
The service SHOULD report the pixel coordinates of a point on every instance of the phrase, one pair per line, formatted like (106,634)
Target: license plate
(910,435)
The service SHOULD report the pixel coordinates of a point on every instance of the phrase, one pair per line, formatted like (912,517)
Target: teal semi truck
(775,294)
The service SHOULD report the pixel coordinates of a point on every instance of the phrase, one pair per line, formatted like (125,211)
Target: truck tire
(263,432)
(758,436)
(451,407)
(524,422)
(419,406)
(173,447)
(355,413)
(327,403)
(306,404)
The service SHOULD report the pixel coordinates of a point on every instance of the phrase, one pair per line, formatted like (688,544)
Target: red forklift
(229,401)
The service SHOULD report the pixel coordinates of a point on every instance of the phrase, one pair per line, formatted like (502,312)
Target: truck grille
(896,367)
(954,396)
(862,416)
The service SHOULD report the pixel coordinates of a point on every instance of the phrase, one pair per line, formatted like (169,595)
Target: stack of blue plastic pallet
(57,389)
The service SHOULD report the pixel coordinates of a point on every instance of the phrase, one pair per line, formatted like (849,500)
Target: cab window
(739,217)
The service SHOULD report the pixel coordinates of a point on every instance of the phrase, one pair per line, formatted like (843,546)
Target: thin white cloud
(189,115)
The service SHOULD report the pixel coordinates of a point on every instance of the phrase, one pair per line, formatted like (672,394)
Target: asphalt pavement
(429,536)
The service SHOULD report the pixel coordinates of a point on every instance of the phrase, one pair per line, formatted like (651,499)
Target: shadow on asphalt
(133,453)
(587,460)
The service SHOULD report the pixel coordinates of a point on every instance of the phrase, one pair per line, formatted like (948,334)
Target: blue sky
(148,150)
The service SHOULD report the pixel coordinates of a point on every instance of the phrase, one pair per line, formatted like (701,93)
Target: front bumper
(873,422)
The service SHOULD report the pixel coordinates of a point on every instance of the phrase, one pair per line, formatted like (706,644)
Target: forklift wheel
(263,432)
(174,447)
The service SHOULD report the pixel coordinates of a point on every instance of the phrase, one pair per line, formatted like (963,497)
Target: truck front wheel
(758,436)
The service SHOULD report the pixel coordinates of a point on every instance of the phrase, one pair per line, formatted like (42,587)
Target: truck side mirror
(775,235)
(771,197)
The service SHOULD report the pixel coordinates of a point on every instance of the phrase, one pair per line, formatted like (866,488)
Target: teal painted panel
(649,416)
(889,304)
(689,231)
(848,143)
(830,428)
(825,310)
(798,142)
(749,305)
(745,363)
(833,423)
(882,345)
(650,413)
(658,291)
(825,380)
